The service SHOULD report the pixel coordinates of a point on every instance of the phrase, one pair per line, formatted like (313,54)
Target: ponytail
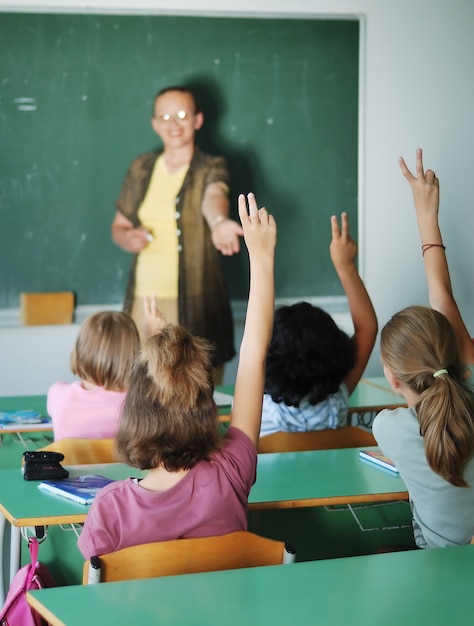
(446,424)
(419,346)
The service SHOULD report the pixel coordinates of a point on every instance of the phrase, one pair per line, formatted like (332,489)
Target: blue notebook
(81,489)
(19,418)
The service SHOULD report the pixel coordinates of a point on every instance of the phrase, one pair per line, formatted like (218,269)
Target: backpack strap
(33,546)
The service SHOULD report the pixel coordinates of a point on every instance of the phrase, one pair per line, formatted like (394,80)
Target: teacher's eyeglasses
(179,116)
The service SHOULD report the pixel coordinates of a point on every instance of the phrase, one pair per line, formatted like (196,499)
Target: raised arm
(425,189)
(343,250)
(260,238)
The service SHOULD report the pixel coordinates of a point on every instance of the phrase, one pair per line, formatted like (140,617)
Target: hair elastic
(439,372)
(427,246)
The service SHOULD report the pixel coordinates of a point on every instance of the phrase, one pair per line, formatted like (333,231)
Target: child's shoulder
(116,489)
(397,420)
(468,377)
(60,390)
(59,384)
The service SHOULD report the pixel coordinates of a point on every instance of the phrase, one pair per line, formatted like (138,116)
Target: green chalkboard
(280,98)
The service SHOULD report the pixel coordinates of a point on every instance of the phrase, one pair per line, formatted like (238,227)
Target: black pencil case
(43,465)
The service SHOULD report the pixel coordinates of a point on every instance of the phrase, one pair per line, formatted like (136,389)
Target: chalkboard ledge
(335,305)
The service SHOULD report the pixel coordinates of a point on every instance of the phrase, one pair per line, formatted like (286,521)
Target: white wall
(417,90)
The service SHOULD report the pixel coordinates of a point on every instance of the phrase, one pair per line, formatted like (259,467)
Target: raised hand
(343,248)
(424,186)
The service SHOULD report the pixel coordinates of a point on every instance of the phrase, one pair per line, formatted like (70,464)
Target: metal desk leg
(3,589)
(15,550)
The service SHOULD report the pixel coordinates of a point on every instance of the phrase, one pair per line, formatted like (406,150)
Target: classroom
(414,91)
(401,107)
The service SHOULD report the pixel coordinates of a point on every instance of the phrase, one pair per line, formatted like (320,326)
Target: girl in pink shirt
(198,481)
(102,358)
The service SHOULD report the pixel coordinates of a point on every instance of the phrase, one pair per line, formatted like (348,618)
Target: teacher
(173,216)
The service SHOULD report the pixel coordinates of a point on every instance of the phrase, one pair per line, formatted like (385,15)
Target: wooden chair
(345,437)
(37,309)
(189,556)
(85,451)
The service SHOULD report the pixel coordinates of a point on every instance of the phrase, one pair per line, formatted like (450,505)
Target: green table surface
(284,480)
(373,394)
(18,403)
(320,478)
(418,587)
(23,504)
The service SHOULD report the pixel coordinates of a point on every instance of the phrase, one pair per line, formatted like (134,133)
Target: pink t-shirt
(211,499)
(79,412)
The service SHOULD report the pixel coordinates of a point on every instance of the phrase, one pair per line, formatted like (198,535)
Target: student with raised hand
(428,359)
(312,365)
(198,481)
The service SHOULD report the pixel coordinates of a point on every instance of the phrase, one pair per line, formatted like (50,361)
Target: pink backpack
(16,610)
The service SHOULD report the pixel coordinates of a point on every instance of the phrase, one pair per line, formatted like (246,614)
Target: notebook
(22,418)
(378,458)
(81,489)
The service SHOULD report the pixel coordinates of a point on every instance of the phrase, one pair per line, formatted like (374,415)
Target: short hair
(169,416)
(309,355)
(415,343)
(181,89)
(106,347)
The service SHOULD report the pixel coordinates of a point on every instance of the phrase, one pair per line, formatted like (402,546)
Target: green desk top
(290,479)
(373,394)
(411,588)
(319,478)
(18,403)
(23,504)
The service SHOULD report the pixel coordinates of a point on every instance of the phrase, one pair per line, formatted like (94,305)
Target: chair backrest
(189,556)
(38,309)
(345,437)
(85,451)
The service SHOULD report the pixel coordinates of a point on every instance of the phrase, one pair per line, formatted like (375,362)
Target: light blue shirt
(330,413)
(443,515)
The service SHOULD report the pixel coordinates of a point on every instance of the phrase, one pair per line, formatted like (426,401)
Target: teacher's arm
(127,236)
(225,232)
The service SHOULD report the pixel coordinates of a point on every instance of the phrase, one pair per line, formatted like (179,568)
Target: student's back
(419,351)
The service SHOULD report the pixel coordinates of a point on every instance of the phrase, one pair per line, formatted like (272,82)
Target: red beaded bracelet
(427,246)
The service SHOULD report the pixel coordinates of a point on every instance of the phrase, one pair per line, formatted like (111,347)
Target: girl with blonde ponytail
(428,358)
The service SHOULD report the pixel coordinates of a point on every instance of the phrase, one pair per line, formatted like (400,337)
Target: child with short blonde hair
(103,355)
